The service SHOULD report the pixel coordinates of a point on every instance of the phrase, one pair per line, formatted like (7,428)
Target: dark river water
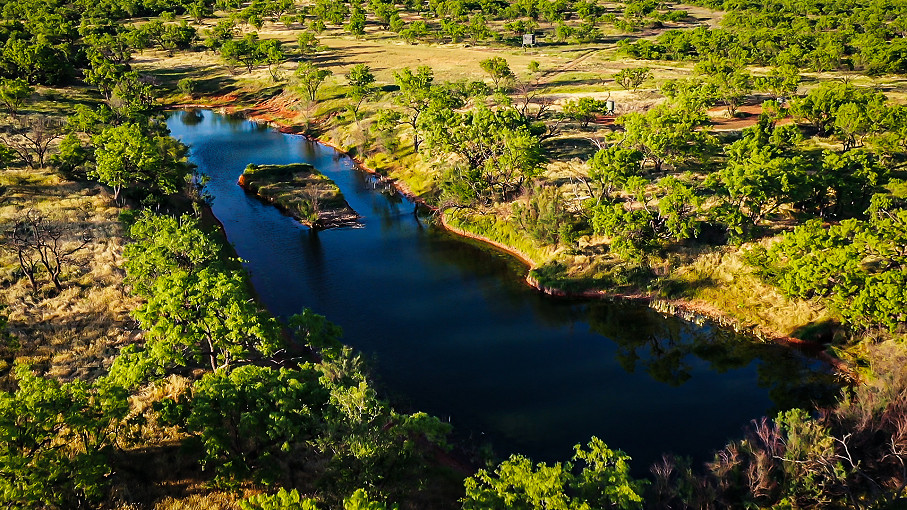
(452,330)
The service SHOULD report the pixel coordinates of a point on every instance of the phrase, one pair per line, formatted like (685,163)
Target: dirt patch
(747,116)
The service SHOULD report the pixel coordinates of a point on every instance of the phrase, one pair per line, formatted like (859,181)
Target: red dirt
(747,116)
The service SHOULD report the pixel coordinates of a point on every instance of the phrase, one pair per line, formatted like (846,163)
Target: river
(451,329)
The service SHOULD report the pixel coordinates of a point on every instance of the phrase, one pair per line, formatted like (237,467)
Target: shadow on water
(456,333)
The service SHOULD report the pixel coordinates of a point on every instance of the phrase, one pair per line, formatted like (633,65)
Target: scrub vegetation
(743,159)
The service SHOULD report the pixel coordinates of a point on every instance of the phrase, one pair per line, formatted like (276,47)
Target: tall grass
(724,282)
(73,333)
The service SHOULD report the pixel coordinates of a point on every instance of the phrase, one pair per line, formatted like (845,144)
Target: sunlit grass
(723,282)
(73,333)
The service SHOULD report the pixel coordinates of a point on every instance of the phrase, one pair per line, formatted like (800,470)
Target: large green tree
(131,156)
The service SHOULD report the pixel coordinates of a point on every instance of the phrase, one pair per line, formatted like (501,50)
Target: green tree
(497,69)
(273,55)
(516,484)
(362,86)
(131,97)
(308,44)
(762,174)
(495,153)
(781,81)
(14,93)
(356,24)
(127,156)
(856,264)
(199,10)
(666,135)
(178,36)
(206,315)
(732,84)
(255,422)
(632,78)
(55,440)
(820,106)
(194,309)
(610,168)
(284,500)
(245,51)
(415,95)
(164,244)
(310,78)
(478,28)
(584,109)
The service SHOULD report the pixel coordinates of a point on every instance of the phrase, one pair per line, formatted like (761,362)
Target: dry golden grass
(723,282)
(73,333)
(208,501)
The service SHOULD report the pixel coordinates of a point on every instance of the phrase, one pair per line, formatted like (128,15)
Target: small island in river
(302,192)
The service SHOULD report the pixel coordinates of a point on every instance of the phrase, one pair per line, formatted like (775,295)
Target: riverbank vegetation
(746,162)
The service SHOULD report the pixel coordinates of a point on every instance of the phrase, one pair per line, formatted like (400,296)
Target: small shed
(529,39)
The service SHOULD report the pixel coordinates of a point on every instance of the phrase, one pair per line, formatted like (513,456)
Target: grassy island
(302,192)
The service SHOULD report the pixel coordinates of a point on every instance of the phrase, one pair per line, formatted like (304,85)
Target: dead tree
(40,243)
(31,138)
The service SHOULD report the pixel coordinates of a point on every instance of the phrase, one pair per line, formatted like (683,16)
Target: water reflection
(456,332)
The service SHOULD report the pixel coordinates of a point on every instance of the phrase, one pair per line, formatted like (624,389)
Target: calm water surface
(453,331)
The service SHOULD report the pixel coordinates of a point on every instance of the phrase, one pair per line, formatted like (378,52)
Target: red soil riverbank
(284,120)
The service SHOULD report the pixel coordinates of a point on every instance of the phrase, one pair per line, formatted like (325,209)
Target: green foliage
(195,308)
(782,81)
(248,51)
(263,424)
(730,82)
(273,55)
(310,78)
(128,156)
(187,86)
(666,135)
(663,211)
(610,168)
(14,93)
(584,109)
(820,106)
(763,173)
(54,441)
(498,69)
(359,500)
(632,231)
(282,500)
(318,333)
(632,78)
(856,264)
(71,157)
(164,244)
(416,94)
(308,44)
(254,421)
(356,24)
(496,153)
(604,482)
(545,216)
(362,86)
